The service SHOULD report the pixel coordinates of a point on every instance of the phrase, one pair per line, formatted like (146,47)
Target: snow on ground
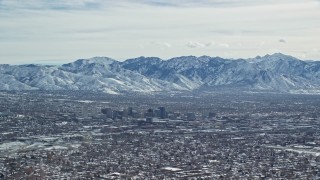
(11,146)
(173,169)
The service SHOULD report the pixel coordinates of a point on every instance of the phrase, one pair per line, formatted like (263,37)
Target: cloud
(282,41)
(69,29)
(212,43)
(224,45)
(168,45)
(210,3)
(162,44)
(102,4)
(192,44)
(53,5)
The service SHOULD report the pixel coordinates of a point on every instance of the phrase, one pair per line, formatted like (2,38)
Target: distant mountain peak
(278,56)
(101,60)
(185,58)
(95,60)
(275,72)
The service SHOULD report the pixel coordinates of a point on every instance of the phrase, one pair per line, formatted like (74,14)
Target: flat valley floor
(222,135)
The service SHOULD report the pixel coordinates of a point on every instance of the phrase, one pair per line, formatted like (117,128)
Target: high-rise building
(130,111)
(84,112)
(108,112)
(191,116)
(162,113)
(149,113)
(212,114)
(149,119)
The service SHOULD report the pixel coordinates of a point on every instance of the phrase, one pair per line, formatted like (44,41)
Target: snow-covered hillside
(275,72)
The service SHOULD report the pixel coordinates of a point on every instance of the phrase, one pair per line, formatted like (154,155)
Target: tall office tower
(162,113)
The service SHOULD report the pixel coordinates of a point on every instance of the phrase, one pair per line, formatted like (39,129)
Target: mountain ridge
(276,72)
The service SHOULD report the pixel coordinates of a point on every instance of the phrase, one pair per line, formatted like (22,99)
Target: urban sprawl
(222,135)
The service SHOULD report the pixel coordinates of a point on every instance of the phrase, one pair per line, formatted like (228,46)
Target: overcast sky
(59,31)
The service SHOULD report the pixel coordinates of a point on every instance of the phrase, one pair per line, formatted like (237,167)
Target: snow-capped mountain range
(275,72)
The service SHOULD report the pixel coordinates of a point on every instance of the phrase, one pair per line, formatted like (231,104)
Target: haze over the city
(56,32)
